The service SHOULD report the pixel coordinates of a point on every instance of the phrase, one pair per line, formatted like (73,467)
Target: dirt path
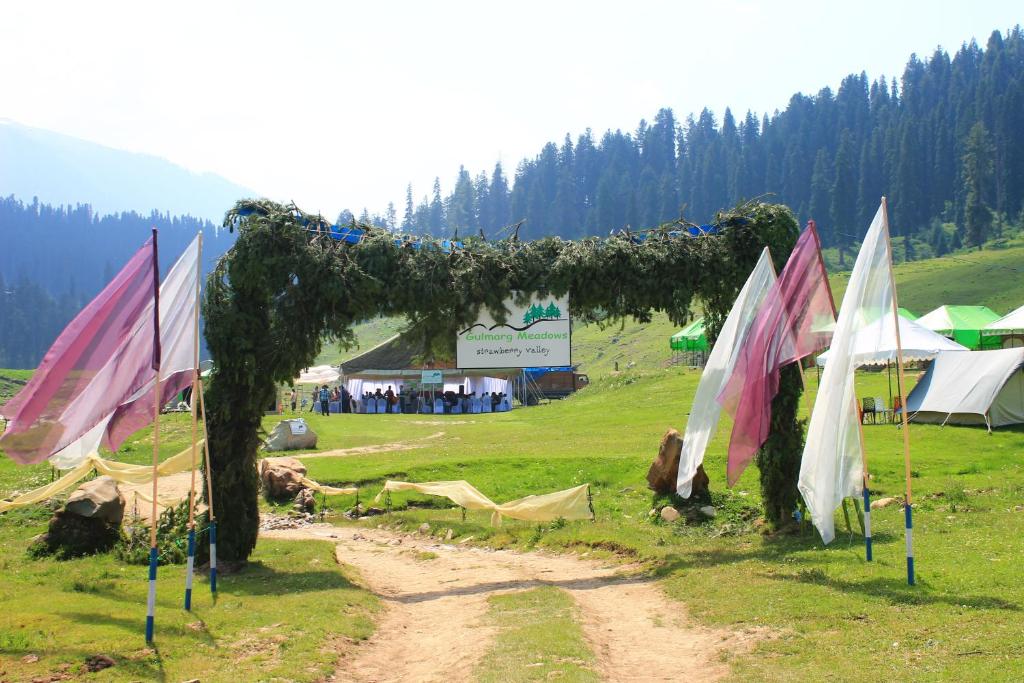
(434,627)
(172,490)
(377,448)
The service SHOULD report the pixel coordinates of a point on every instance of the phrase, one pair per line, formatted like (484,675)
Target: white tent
(1011,322)
(876,343)
(1010,327)
(319,374)
(977,387)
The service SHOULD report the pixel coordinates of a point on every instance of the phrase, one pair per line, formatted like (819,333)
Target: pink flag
(48,413)
(795,320)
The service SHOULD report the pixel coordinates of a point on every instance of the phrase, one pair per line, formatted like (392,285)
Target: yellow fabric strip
(327,490)
(570,504)
(119,471)
(50,490)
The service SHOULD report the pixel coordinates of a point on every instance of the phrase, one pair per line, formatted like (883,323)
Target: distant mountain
(60,169)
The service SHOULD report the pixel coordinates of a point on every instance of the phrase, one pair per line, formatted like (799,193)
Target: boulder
(700,485)
(288,463)
(69,535)
(661,477)
(305,500)
(291,435)
(708,510)
(281,480)
(669,514)
(98,499)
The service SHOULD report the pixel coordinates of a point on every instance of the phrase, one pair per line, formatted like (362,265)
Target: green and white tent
(963,324)
(690,338)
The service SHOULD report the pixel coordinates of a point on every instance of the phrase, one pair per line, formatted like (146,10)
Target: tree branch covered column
(287,285)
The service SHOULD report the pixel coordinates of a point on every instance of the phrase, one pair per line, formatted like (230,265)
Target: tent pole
(901,386)
(190,562)
(153,556)
(888,371)
(209,493)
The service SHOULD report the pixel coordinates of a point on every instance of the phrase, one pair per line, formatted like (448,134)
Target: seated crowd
(338,400)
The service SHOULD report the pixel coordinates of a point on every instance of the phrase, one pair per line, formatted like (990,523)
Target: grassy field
(826,613)
(826,606)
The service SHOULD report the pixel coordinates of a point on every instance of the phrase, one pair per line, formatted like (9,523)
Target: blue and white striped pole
(190,563)
(151,600)
(213,557)
(908,511)
(867,524)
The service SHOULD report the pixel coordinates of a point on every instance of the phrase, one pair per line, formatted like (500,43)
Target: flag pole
(901,386)
(860,426)
(190,563)
(209,493)
(151,600)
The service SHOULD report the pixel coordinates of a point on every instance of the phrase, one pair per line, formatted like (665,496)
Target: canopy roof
(875,344)
(1011,322)
(319,374)
(693,337)
(980,387)
(962,323)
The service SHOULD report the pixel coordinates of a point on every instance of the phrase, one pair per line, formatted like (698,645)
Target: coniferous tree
(844,197)
(408,219)
(904,138)
(436,221)
(978,169)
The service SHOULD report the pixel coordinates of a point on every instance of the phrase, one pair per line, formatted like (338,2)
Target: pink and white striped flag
(46,415)
(795,320)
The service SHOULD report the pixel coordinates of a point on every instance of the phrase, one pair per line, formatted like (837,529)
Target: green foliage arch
(287,286)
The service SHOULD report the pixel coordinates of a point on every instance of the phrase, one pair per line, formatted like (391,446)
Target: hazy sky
(340,105)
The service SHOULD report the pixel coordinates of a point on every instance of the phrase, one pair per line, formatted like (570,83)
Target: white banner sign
(432,377)
(535,335)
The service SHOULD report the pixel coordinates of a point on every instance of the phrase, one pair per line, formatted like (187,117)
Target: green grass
(11,382)
(831,614)
(538,639)
(368,335)
(990,277)
(827,606)
(277,619)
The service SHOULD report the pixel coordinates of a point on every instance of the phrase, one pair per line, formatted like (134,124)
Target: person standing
(325,400)
(294,398)
(314,399)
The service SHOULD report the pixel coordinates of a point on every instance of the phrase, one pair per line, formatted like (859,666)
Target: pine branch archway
(287,285)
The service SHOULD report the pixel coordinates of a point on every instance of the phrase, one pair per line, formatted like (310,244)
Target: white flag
(706,410)
(833,462)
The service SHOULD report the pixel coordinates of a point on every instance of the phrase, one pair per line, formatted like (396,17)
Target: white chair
(424,406)
(382,405)
(438,406)
(485,404)
(474,405)
(396,408)
(457,407)
(371,406)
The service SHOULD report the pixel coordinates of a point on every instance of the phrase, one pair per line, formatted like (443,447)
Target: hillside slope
(990,278)
(60,169)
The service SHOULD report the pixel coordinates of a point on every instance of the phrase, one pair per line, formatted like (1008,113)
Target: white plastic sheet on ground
(706,411)
(833,461)
(570,504)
